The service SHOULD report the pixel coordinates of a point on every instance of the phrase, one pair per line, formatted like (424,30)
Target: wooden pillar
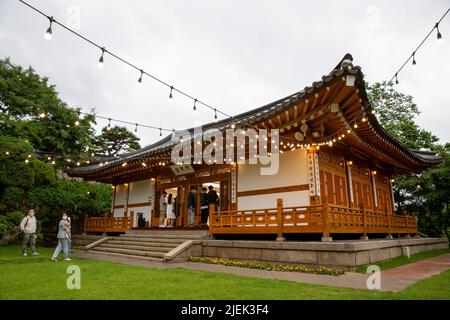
(85,222)
(389,235)
(212,212)
(405,215)
(131,220)
(364,215)
(280,236)
(325,220)
(416,226)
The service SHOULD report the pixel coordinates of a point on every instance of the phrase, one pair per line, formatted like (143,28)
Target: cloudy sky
(234,55)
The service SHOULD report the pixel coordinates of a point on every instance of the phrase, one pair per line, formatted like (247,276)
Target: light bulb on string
(77,122)
(160,132)
(396,79)
(170,93)
(414,62)
(108,128)
(136,127)
(139,82)
(48,35)
(215,115)
(195,106)
(439,35)
(101,60)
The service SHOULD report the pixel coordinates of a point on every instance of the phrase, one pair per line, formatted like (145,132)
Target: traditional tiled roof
(344,68)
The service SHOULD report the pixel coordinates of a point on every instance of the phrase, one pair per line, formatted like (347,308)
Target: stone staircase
(150,245)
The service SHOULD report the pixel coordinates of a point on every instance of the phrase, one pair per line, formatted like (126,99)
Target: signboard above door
(184,169)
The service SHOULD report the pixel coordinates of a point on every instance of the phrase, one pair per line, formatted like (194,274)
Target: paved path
(396,279)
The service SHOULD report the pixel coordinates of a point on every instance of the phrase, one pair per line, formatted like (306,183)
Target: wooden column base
(326,239)
(281,239)
(364,237)
(389,236)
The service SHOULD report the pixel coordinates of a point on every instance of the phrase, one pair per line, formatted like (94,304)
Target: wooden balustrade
(107,224)
(325,219)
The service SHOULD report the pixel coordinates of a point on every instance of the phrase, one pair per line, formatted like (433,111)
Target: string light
(215,114)
(396,78)
(42,115)
(108,128)
(139,82)
(195,107)
(170,94)
(135,129)
(48,35)
(439,35)
(160,132)
(101,60)
(414,63)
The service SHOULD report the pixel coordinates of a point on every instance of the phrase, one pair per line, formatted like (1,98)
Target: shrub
(267,266)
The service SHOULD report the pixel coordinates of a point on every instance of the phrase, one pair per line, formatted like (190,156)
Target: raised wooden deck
(325,219)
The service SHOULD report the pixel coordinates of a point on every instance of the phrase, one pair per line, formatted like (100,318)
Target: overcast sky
(235,55)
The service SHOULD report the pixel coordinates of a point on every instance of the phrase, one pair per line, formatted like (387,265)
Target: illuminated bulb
(48,35)
(42,115)
(348,131)
(364,119)
(77,123)
(7,153)
(26,161)
(78,164)
(373,112)
(355,126)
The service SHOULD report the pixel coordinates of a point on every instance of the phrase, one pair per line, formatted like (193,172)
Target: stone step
(134,247)
(128,256)
(144,243)
(162,236)
(152,239)
(130,252)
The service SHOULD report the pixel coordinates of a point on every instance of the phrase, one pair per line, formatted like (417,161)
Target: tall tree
(426,193)
(115,140)
(31,109)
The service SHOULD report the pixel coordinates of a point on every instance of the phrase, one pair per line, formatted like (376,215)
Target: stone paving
(396,279)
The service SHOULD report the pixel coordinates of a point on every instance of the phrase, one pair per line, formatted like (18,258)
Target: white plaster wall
(119,200)
(290,199)
(292,171)
(140,191)
(145,210)
(120,195)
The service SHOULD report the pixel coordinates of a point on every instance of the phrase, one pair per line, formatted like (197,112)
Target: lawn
(399,261)
(39,278)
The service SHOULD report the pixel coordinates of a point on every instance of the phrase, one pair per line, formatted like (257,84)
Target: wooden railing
(324,219)
(107,224)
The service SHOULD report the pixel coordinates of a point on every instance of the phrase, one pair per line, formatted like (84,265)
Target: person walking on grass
(62,240)
(69,235)
(28,227)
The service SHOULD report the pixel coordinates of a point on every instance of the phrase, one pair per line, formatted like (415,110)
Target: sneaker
(35,254)
(54,260)
(67,259)
(25,254)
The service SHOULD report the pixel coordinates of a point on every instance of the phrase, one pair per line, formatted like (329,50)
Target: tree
(116,140)
(426,193)
(31,109)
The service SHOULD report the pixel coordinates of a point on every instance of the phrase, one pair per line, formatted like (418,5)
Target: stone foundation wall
(346,255)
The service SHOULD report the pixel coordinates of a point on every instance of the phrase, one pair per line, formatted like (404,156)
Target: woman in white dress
(170,213)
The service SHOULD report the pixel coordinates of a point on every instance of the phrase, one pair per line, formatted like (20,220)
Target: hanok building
(336,167)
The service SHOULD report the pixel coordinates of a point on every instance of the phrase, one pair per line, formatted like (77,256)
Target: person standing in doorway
(204,207)
(213,198)
(191,206)
(170,214)
(63,229)
(28,227)
(162,209)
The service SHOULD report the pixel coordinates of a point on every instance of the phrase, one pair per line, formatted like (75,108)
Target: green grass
(39,278)
(399,261)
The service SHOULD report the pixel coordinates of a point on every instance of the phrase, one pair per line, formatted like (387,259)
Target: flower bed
(267,266)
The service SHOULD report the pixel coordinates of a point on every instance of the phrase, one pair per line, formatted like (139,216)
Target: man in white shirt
(28,227)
